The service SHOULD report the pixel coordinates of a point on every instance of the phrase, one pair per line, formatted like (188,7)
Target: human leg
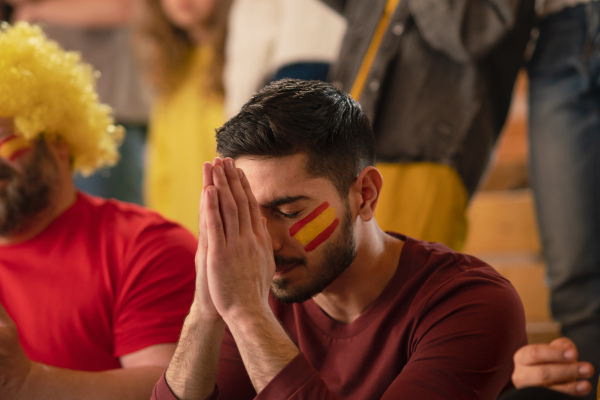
(565,169)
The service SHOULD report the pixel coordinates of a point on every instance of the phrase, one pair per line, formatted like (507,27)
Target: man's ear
(61,151)
(366,191)
(59,147)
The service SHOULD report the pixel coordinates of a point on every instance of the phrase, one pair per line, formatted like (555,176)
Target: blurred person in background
(436,79)
(5,11)
(181,50)
(564,138)
(99,30)
(93,292)
(273,39)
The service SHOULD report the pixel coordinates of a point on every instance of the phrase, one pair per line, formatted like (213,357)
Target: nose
(276,231)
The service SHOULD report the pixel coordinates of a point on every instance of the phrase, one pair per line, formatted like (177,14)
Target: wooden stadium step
(503,233)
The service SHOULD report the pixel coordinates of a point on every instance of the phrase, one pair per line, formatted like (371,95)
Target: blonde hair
(163,49)
(50,91)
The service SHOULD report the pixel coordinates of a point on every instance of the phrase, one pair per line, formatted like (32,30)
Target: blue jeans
(124,180)
(564,79)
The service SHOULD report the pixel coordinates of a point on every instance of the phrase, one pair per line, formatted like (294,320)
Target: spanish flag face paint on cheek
(316,227)
(13,147)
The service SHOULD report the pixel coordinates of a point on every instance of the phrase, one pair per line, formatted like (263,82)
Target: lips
(285,267)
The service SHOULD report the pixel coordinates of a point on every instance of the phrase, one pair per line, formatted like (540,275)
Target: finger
(214,226)
(580,388)
(562,342)
(541,354)
(200,259)
(207,175)
(206,182)
(254,208)
(269,247)
(551,374)
(202,220)
(267,235)
(228,207)
(568,346)
(239,195)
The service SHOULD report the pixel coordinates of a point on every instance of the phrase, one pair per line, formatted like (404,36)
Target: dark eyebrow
(283,200)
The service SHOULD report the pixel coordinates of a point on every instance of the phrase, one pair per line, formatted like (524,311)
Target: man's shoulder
(126,220)
(129,213)
(436,254)
(428,265)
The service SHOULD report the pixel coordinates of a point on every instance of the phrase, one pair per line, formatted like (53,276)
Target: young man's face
(310,225)
(28,176)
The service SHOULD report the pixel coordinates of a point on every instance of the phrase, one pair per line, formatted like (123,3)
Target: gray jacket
(441,83)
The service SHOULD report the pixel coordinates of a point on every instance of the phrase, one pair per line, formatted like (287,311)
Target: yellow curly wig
(52,92)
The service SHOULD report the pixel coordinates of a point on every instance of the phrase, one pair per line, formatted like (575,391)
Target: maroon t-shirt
(445,327)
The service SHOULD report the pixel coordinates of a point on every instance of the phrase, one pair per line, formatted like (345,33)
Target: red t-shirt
(445,327)
(103,280)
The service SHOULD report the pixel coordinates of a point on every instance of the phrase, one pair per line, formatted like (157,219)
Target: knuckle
(215,226)
(516,379)
(524,355)
(534,353)
(542,375)
(518,356)
(242,200)
(253,205)
(230,209)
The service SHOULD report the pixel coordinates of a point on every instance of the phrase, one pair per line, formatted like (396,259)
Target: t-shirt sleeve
(156,288)
(464,342)
(162,391)
(297,380)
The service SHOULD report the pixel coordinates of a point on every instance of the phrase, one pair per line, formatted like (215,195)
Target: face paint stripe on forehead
(13,147)
(304,221)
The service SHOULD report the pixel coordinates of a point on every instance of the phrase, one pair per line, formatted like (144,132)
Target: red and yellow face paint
(13,147)
(316,227)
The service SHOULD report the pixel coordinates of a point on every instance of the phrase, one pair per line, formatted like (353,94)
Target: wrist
(248,318)
(202,314)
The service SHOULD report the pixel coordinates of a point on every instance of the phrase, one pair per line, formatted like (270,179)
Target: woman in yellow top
(181,48)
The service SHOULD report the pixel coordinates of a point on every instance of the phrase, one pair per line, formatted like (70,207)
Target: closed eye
(289,215)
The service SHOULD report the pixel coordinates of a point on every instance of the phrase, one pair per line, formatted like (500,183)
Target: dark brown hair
(291,117)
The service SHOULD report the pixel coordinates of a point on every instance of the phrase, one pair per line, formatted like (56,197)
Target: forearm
(50,383)
(192,373)
(264,345)
(76,13)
